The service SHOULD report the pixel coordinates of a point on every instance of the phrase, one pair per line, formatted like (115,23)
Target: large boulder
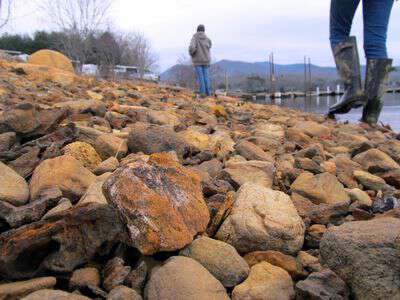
(52,59)
(64,172)
(320,189)
(265,282)
(263,219)
(160,202)
(183,278)
(13,188)
(220,259)
(366,255)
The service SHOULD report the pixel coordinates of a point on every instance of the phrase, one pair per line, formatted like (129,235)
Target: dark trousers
(376,19)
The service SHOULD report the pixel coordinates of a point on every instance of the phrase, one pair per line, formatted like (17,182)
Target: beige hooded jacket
(199,49)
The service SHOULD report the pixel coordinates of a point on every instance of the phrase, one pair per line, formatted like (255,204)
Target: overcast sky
(246,30)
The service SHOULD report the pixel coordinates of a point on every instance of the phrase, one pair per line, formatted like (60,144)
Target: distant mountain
(240,68)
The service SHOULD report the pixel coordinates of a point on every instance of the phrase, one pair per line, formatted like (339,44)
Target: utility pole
(309,74)
(305,76)
(272,74)
(226,82)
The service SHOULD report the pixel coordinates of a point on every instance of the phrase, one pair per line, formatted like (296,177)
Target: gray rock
(324,285)
(366,255)
(183,278)
(220,259)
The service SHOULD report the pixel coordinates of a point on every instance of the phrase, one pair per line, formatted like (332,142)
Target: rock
(222,144)
(13,188)
(369,181)
(17,290)
(7,140)
(222,213)
(260,217)
(60,244)
(163,117)
(64,172)
(298,137)
(117,120)
(160,202)
(212,167)
(376,161)
(94,193)
(220,259)
(391,148)
(51,58)
(320,189)
(54,295)
(384,204)
(155,139)
(27,162)
(365,255)
(109,145)
(63,205)
(361,198)
(307,164)
(345,168)
(286,262)
(183,278)
(195,139)
(27,119)
(322,286)
(314,235)
(251,151)
(265,282)
(239,173)
(85,277)
(123,293)
(32,212)
(109,165)
(392,178)
(84,153)
(307,261)
(115,273)
(136,279)
(93,107)
(313,129)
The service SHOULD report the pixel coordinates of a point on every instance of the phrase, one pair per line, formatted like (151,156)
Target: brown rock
(345,168)
(320,189)
(115,273)
(109,145)
(60,244)
(313,129)
(17,290)
(251,151)
(109,165)
(64,172)
(376,161)
(85,277)
(27,162)
(54,295)
(84,153)
(369,181)
(160,202)
(13,188)
(94,193)
(266,282)
(183,278)
(259,172)
(123,293)
(286,262)
(51,58)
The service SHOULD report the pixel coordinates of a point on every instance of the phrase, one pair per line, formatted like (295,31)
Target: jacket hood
(200,35)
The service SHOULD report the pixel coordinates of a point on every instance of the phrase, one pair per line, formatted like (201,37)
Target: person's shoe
(348,65)
(376,80)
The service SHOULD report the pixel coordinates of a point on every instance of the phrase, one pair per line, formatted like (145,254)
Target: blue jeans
(376,19)
(203,77)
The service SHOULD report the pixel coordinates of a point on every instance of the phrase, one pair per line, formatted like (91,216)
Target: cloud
(241,30)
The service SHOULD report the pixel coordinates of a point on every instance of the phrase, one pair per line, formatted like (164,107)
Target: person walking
(199,51)
(376,19)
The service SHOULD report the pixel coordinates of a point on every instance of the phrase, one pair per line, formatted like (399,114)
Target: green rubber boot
(348,66)
(376,81)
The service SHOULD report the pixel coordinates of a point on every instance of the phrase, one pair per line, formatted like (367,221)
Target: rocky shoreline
(138,191)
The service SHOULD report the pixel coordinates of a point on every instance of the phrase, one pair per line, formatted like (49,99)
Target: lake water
(320,105)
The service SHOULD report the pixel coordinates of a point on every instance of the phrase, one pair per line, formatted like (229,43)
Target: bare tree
(5,12)
(137,51)
(79,21)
